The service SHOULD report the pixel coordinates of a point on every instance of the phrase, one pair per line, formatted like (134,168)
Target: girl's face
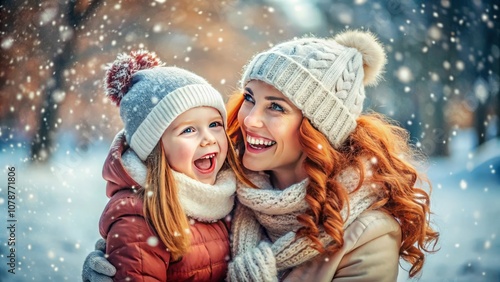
(270,126)
(195,144)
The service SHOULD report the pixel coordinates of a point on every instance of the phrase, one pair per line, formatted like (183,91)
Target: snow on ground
(466,203)
(58,208)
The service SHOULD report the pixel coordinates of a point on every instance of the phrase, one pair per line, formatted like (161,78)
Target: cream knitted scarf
(206,202)
(200,201)
(268,213)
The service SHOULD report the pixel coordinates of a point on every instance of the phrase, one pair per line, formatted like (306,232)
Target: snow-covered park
(442,71)
(58,207)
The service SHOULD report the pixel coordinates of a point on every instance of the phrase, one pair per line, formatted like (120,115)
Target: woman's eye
(248,98)
(277,107)
(215,124)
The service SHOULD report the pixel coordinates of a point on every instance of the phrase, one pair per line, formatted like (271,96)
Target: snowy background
(442,84)
(59,204)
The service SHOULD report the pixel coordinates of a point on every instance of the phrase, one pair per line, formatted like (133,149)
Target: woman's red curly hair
(386,144)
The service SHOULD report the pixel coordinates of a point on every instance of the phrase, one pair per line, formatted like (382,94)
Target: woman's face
(270,126)
(195,144)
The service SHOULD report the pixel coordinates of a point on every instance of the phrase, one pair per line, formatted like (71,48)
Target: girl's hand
(96,267)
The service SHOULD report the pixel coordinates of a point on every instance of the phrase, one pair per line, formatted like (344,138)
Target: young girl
(166,216)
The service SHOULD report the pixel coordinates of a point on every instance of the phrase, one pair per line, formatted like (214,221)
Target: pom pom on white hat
(374,58)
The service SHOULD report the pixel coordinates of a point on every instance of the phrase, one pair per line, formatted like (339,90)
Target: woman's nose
(253,119)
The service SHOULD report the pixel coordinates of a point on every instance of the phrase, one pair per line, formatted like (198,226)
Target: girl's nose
(208,139)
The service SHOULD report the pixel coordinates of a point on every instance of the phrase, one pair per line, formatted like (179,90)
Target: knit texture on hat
(324,78)
(271,214)
(151,97)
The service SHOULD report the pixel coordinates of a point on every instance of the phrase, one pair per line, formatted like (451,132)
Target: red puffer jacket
(135,257)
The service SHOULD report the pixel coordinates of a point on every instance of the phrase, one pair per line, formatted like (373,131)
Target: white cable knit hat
(151,96)
(325,78)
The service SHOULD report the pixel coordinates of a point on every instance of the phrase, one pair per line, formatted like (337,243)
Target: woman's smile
(257,144)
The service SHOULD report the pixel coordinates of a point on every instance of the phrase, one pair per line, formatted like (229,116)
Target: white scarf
(276,211)
(200,201)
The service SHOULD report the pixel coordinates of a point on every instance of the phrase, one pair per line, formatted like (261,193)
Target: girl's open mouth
(206,164)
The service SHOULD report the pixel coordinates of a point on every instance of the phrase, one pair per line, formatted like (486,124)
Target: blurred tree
(14,44)
(54,53)
(436,80)
(76,15)
(53,58)
(481,50)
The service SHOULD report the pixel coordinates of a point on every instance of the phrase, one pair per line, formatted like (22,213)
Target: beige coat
(370,253)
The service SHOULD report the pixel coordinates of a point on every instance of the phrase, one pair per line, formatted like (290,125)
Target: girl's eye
(215,124)
(276,107)
(188,130)
(248,98)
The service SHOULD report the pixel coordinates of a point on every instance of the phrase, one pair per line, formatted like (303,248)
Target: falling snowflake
(152,241)
(463,184)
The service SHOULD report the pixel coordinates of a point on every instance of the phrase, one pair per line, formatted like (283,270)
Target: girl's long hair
(162,208)
(387,146)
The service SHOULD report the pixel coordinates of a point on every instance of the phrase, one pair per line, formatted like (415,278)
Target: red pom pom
(119,73)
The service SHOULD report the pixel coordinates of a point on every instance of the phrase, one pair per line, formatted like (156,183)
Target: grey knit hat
(151,96)
(325,78)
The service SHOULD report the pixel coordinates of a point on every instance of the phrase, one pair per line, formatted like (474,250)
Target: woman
(338,197)
(299,120)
